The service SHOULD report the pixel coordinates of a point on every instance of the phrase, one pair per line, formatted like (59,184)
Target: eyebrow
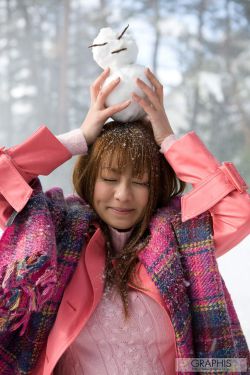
(115,170)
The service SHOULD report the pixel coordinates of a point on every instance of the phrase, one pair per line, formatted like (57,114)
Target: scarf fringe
(26,287)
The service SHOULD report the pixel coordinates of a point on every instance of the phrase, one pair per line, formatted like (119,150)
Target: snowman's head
(114,50)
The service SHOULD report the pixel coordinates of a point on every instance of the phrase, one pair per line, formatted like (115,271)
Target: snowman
(118,51)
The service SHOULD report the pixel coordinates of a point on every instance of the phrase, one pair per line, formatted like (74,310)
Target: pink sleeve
(167,142)
(74,141)
(40,154)
(217,187)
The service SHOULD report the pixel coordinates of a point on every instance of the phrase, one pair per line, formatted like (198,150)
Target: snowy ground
(234,267)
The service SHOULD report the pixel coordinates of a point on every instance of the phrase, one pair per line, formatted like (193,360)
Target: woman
(123,277)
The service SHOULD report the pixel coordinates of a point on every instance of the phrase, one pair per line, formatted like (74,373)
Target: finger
(116,108)
(156,83)
(104,92)
(152,95)
(144,103)
(96,85)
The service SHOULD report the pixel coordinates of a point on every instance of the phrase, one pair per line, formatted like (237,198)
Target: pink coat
(217,188)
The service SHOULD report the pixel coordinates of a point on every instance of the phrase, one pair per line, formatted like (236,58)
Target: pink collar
(119,238)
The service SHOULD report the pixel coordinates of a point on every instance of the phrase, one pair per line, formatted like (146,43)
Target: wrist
(161,137)
(84,132)
(87,137)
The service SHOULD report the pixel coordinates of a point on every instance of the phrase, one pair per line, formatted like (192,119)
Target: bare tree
(64,68)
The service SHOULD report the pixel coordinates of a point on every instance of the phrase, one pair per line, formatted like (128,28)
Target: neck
(119,237)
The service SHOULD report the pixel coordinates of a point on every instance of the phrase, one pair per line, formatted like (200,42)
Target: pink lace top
(109,345)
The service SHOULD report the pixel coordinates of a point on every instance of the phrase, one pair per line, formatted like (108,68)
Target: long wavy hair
(130,144)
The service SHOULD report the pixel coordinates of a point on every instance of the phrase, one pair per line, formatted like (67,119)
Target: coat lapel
(80,299)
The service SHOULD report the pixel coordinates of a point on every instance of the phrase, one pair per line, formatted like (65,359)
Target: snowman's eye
(123,32)
(98,45)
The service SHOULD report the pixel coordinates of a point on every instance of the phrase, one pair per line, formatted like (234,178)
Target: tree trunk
(157,36)
(9,82)
(199,64)
(234,93)
(64,69)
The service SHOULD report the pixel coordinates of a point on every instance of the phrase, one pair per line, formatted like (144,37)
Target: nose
(123,192)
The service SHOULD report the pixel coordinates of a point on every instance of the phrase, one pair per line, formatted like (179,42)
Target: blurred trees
(199,49)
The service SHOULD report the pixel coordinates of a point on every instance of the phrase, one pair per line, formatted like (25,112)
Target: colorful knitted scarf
(201,310)
(38,255)
(40,251)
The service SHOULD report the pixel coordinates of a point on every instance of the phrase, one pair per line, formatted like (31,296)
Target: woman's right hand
(98,113)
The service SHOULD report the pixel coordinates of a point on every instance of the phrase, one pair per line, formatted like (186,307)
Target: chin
(121,227)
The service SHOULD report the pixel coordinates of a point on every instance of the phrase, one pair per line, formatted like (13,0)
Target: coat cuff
(211,190)
(40,154)
(212,181)
(13,187)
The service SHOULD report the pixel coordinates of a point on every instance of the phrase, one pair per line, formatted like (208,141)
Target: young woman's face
(119,198)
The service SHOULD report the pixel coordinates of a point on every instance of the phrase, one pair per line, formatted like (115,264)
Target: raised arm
(40,154)
(217,187)
(43,152)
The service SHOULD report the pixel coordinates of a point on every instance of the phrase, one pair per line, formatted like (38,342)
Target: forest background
(199,49)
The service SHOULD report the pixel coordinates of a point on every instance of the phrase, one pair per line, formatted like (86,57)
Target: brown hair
(128,144)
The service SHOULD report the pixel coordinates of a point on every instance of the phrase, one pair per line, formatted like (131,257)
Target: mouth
(121,211)
(118,50)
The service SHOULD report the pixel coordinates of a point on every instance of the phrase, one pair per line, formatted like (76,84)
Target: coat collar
(95,264)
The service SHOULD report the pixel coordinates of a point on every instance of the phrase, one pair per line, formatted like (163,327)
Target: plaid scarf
(40,251)
(38,255)
(201,310)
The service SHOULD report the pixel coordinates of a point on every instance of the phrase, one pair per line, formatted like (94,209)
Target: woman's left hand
(154,107)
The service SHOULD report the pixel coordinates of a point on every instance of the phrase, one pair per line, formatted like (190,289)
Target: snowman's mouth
(119,50)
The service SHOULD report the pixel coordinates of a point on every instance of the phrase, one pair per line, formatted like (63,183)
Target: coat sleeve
(217,187)
(40,154)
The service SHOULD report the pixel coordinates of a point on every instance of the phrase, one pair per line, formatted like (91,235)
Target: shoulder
(53,206)
(171,215)
(169,212)
(75,211)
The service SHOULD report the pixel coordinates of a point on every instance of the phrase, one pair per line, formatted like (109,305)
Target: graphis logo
(214,365)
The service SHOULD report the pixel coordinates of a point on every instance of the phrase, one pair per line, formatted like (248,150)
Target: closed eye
(109,179)
(141,183)
(98,45)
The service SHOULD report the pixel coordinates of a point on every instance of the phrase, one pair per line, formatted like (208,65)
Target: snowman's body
(127,85)
(119,52)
